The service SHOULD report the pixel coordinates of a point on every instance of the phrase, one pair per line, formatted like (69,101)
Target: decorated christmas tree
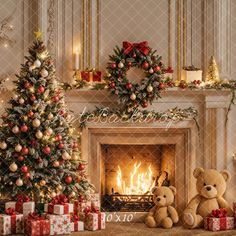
(212,71)
(38,150)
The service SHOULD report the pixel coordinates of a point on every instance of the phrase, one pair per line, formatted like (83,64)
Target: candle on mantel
(77,59)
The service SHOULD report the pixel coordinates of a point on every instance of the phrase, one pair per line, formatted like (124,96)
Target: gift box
(91,75)
(76,224)
(28,207)
(190,74)
(59,224)
(59,209)
(18,205)
(94,221)
(36,225)
(11,223)
(218,220)
(80,206)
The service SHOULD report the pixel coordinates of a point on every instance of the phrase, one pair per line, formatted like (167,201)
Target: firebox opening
(129,172)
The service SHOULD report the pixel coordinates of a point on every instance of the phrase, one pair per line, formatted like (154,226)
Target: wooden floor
(139,229)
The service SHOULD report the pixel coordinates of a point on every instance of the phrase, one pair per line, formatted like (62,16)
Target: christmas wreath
(138,55)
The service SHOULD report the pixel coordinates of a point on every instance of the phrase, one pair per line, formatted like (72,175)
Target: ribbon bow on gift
(60,199)
(169,70)
(34,216)
(142,47)
(219,213)
(74,218)
(22,198)
(88,210)
(10,211)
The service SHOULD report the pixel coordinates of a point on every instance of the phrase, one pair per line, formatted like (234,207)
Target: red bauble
(145,104)
(27,175)
(62,112)
(61,145)
(145,65)
(24,151)
(55,99)
(68,179)
(24,128)
(112,85)
(20,158)
(129,63)
(128,85)
(113,65)
(30,114)
(134,55)
(41,89)
(33,98)
(162,85)
(75,145)
(81,167)
(47,150)
(80,198)
(157,68)
(58,137)
(39,160)
(27,85)
(24,169)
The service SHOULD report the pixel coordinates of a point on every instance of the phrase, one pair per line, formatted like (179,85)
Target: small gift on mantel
(11,223)
(169,73)
(91,75)
(59,224)
(218,220)
(94,219)
(191,73)
(76,224)
(59,206)
(35,225)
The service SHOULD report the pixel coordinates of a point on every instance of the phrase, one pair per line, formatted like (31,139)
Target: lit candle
(77,59)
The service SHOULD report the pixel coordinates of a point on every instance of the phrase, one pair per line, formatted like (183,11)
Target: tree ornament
(39,134)
(72,194)
(75,145)
(30,114)
(18,148)
(145,104)
(41,89)
(47,150)
(44,73)
(50,116)
(161,85)
(68,179)
(59,187)
(27,85)
(42,182)
(36,123)
(55,99)
(129,63)
(157,68)
(31,68)
(60,145)
(3,145)
(120,65)
(32,98)
(48,131)
(25,151)
(37,63)
(24,169)
(65,156)
(81,167)
(145,65)
(113,65)
(20,158)
(56,164)
(25,118)
(75,157)
(53,195)
(212,71)
(128,85)
(151,71)
(134,55)
(15,130)
(133,96)
(112,85)
(58,137)
(15,96)
(24,128)
(19,182)
(13,167)
(27,175)
(149,88)
(21,101)
(31,89)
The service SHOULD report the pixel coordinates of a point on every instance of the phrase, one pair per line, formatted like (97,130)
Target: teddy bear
(162,214)
(210,185)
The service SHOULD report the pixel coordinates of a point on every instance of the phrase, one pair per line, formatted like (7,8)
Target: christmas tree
(212,72)
(39,153)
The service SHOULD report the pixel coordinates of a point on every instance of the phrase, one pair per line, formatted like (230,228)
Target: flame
(140,183)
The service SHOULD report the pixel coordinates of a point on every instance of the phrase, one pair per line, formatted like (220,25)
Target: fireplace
(131,171)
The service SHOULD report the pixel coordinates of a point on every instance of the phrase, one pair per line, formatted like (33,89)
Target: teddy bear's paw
(188,219)
(150,222)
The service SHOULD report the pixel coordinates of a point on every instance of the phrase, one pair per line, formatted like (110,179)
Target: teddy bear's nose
(208,188)
(158,199)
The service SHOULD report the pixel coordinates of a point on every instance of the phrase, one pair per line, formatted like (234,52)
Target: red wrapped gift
(11,223)
(218,220)
(18,205)
(76,225)
(91,75)
(94,219)
(36,225)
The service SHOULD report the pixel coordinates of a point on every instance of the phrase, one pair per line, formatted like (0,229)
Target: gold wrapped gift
(190,74)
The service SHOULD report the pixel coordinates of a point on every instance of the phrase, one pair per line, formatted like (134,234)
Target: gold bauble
(13,167)
(42,182)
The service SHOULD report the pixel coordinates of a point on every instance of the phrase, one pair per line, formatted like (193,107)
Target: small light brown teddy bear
(162,214)
(211,186)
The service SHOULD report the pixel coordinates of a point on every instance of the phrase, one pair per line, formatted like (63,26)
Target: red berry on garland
(112,85)
(41,89)
(113,65)
(47,150)
(55,99)
(30,114)
(81,167)
(157,68)
(68,179)
(145,65)
(24,151)
(20,158)
(61,145)
(24,169)
(24,128)
(145,104)
(26,85)
(33,98)
(128,85)
(162,85)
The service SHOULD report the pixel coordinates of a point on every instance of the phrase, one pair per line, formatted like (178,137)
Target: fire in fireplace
(131,171)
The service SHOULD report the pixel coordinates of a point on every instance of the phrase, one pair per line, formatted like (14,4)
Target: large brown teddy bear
(162,214)
(211,186)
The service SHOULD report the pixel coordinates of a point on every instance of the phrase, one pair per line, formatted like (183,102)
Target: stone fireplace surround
(193,147)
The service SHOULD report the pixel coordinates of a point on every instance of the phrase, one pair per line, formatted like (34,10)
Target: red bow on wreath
(219,213)
(142,47)
(60,199)
(10,211)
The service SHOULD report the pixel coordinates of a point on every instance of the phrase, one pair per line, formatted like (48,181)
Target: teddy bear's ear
(226,175)
(173,189)
(197,172)
(154,189)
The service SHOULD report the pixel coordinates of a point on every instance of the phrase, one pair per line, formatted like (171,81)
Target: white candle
(77,59)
